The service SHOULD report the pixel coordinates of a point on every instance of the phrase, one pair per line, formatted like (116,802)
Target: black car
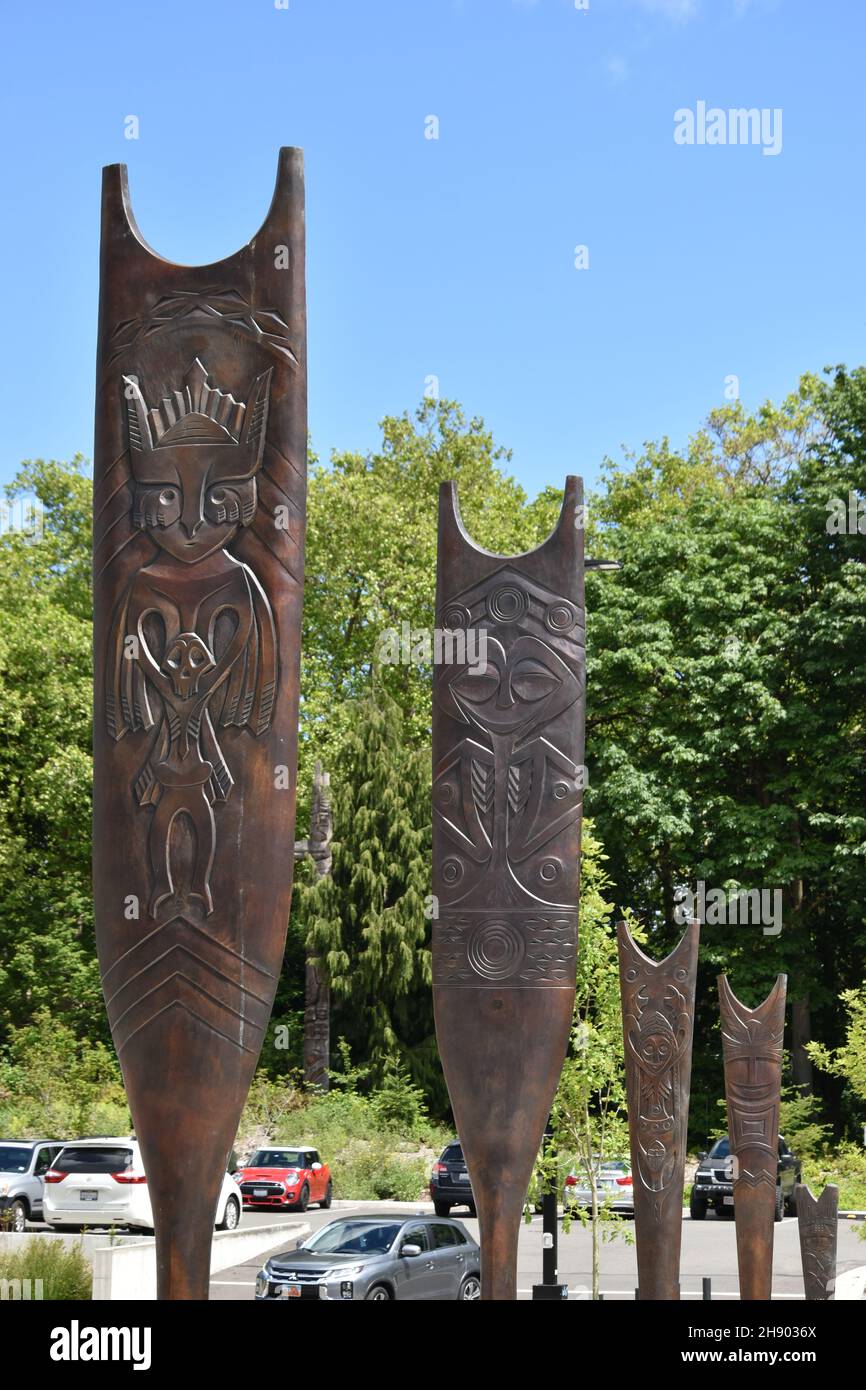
(449,1181)
(714,1187)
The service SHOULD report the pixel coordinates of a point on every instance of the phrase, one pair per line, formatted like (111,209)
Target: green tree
(590,1123)
(367,921)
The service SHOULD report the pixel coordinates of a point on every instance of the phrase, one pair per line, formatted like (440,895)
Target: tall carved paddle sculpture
(508,714)
(199,487)
(658,1016)
(752,1047)
(818,1222)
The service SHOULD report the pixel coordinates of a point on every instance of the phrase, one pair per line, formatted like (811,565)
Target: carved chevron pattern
(178,966)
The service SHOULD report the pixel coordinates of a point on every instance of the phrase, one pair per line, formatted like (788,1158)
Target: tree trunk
(801,1033)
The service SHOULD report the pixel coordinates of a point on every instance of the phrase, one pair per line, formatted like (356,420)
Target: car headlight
(292,1180)
(343,1272)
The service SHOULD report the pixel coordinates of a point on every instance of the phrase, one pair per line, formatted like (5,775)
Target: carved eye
(174,658)
(167,495)
(196,657)
(478,686)
(218,496)
(532,681)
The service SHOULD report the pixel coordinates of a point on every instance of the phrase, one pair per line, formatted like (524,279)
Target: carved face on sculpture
(186,661)
(194,460)
(524,655)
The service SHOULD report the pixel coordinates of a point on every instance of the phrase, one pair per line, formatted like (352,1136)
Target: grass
(64,1271)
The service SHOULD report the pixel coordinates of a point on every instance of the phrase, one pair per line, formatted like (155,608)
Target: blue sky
(453,257)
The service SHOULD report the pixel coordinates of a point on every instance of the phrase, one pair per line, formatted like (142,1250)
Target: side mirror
(702,1156)
(410,1250)
(317,1167)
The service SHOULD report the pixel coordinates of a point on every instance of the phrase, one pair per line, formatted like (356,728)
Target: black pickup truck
(713,1185)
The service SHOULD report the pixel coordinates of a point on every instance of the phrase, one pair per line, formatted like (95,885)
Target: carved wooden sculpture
(752,1047)
(658,1015)
(199,487)
(818,1221)
(508,711)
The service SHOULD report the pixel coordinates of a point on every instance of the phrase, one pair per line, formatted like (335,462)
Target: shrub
(64,1271)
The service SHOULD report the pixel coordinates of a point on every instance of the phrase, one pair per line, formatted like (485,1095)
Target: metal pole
(707,1295)
(549,1289)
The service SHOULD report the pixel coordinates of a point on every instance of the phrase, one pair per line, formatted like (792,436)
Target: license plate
(462,1177)
(728,1201)
(260,1192)
(88,1196)
(291,1290)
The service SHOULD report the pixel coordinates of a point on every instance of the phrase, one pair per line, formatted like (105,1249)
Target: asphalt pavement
(708,1249)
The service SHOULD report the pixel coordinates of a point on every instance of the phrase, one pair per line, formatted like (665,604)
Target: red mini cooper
(285,1177)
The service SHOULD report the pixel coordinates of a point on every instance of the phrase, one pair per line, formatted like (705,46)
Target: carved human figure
(192,643)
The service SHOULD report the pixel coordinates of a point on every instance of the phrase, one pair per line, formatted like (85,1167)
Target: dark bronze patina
(507,801)
(658,1014)
(818,1221)
(752,1047)
(199,488)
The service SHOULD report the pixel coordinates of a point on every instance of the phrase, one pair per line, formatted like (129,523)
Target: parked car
(714,1185)
(284,1176)
(101,1182)
(23,1165)
(449,1181)
(614,1187)
(378,1258)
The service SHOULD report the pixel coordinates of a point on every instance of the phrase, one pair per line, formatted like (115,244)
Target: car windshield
(90,1159)
(277,1158)
(721,1148)
(13,1160)
(354,1238)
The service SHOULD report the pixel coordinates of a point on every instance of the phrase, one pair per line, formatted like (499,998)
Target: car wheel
(697,1208)
(304,1198)
(378,1294)
(780,1205)
(442,1208)
(326,1201)
(470,1289)
(18,1216)
(231,1216)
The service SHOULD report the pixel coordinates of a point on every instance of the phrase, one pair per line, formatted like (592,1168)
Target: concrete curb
(129,1271)
(852,1284)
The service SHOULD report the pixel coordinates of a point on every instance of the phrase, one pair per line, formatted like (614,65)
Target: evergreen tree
(366,922)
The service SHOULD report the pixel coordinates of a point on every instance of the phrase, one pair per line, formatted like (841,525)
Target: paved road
(708,1248)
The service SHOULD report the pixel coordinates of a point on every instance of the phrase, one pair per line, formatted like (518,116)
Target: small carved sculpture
(658,1013)
(507,801)
(818,1222)
(752,1047)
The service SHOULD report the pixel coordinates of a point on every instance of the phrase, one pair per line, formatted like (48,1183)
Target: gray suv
(23,1163)
(378,1258)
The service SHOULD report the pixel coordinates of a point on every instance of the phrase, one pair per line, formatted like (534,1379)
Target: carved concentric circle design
(560,617)
(455,616)
(507,604)
(561,790)
(452,871)
(550,870)
(495,950)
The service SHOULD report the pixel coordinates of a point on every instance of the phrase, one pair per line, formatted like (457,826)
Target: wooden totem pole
(199,496)
(752,1048)
(818,1222)
(508,714)
(658,1015)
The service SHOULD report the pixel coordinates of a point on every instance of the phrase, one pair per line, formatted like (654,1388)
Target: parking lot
(708,1249)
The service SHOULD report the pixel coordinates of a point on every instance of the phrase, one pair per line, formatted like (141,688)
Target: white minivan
(101,1182)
